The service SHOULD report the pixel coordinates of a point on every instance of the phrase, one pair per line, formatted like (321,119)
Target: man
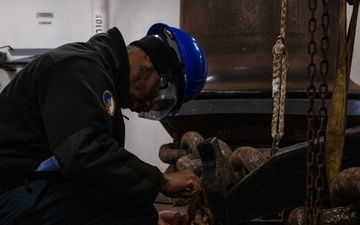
(62,156)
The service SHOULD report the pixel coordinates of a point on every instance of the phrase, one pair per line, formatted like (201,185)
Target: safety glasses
(165,99)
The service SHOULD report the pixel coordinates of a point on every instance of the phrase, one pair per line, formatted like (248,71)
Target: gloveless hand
(182,184)
(173,218)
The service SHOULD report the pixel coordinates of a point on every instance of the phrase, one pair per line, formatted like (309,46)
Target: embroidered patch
(109,102)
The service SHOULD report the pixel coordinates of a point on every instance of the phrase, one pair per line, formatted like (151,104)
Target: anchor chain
(316,150)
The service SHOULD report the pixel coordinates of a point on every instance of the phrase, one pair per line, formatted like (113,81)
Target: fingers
(194,187)
(169,216)
(194,190)
(173,218)
(162,222)
(182,184)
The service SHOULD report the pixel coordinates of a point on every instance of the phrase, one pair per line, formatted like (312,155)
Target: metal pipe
(99,16)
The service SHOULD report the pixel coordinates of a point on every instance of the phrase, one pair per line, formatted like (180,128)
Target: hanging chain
(311,92)
(280,68)
(315,154)
(322,111)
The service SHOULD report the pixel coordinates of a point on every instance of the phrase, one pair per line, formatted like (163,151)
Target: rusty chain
(322,110)
(311,91)
(315,156)
(199,212)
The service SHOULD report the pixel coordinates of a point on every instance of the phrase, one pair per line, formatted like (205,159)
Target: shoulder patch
(109,102)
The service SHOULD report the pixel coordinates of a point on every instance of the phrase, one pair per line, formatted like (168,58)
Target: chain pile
(243,160)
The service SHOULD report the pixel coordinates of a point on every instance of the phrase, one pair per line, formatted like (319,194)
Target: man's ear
(148,58)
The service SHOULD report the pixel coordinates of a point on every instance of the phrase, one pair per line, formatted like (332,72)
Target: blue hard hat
(193,58)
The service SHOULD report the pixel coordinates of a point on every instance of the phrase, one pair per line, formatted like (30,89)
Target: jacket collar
(112,45)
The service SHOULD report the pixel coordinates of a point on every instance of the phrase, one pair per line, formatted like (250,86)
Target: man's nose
(148,105)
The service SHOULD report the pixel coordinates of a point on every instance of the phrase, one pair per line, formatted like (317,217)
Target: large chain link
(315,153)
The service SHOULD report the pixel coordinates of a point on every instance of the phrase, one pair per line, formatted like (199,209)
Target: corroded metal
(278,185)
(345,195)
(168,154)
(218,177)
(345,188)
(189,162)
(342,215)
(190,140)
(187,157)
(225,149)
(247,157)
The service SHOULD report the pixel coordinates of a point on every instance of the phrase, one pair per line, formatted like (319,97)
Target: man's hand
(182,184)
(173,218)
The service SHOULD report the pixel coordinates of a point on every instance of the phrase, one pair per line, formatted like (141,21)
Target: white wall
(72,21)
(355,68)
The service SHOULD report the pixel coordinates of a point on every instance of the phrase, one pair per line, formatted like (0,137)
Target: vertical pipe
(99,16)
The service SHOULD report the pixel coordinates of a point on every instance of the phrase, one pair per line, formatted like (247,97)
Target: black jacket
(56,106)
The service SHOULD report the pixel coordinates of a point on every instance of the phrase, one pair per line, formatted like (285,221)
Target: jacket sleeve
(80,132)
